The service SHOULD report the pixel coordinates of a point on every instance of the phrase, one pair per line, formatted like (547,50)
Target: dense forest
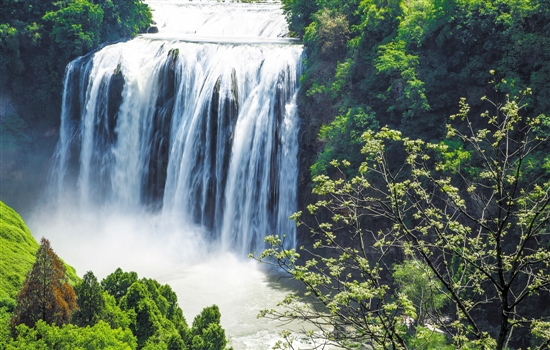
(406,64)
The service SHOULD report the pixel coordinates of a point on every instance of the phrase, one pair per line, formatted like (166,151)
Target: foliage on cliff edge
(405,63)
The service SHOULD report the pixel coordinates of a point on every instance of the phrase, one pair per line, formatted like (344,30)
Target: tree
(118,282)
(421,287)
(90,302)
(145,315)
(154,315)
(127,18)
(76,27)
(476,217)
(330,33)
(207,333)
(113,315)
(46,295)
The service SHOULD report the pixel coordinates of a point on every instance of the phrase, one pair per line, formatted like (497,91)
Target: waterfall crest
(198,123)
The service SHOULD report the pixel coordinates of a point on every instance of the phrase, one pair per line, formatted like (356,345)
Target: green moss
(17,253)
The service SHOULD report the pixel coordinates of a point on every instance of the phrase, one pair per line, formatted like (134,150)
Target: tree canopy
(39,38)
(456,236)
(146,316)
(405,63)
(207,333)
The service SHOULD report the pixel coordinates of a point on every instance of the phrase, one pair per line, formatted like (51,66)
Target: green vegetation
(46,294)
(38,39)
(405,63)
(422,288)
(206,332)
(17,255)
(67,337)
(445,220)
(120,312)
(462,248)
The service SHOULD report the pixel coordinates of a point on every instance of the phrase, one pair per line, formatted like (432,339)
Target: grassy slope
(17,253)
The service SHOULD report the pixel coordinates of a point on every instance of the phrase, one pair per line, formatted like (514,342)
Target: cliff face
(6,106)
(25,151)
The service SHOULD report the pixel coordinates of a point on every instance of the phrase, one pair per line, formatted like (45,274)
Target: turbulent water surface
(178,152)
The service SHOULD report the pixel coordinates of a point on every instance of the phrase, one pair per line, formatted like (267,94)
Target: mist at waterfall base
(201,275)
(178,155)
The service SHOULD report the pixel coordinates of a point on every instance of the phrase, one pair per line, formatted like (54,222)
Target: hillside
(17,253)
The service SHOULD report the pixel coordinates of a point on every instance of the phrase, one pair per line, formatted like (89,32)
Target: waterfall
(197,123)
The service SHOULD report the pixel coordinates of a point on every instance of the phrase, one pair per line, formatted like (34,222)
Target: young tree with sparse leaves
(473,211)
(46,294)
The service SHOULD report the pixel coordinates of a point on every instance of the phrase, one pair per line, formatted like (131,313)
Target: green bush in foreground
(71,337)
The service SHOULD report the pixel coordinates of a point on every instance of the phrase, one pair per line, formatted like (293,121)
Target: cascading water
(178,152)
(197,123)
